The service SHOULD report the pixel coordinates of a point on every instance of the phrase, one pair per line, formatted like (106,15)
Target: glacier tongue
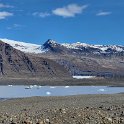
(25,47)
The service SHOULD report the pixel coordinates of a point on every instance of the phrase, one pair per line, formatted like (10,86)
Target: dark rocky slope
(87,60)
(14,63)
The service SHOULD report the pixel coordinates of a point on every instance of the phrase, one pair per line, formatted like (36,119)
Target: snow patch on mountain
(24,47)
(103,48)
(75,45)
(83,77)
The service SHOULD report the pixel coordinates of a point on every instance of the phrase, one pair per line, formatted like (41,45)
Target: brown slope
(89,65)
(14,63)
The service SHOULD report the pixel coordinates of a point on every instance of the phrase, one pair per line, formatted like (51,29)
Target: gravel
(83,109)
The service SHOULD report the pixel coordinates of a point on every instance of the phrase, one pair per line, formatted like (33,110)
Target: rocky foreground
(84,109)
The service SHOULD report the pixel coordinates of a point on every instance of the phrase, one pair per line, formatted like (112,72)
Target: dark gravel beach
(83,109)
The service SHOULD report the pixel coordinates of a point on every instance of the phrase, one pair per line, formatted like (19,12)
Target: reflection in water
(35,90)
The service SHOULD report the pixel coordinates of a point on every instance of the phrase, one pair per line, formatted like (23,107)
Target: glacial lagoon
(18,91)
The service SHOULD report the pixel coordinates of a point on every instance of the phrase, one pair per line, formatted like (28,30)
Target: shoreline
(62,82)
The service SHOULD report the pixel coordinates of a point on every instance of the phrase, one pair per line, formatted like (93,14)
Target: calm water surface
(28,91)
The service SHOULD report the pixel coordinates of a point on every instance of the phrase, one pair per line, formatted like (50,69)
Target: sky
(88,21)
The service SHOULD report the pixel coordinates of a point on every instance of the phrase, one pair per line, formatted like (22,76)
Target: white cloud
(41,14)
(15,26)
(5,14)
(69,11)
(5,6)
(103,13)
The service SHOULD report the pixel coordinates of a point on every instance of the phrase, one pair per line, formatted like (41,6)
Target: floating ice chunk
(52,87)
(28,87)
(31,86)
(66,86)
(48,93)
(101,90)
(39,86)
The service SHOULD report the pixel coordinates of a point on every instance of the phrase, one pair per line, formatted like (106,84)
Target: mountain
(76,58)
(84,49)
(17,64)
(64,47)
(84,59)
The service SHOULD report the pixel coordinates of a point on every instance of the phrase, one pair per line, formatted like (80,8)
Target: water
(28,91)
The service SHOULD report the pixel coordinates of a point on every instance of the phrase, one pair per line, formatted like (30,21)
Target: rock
(47,121)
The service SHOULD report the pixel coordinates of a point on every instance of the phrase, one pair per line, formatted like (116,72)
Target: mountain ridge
(35,48)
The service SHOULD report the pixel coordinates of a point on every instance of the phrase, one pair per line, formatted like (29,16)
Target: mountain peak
(49,44)
(50,41)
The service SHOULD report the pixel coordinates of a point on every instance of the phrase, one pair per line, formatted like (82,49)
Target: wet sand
(83,109)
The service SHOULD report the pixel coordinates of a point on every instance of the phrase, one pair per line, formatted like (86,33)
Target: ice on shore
(66,86)
(52,87)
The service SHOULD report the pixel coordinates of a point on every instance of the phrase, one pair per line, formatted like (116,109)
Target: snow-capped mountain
(57,47)
(76,58)
(24,47)
(102,48)
(82,48)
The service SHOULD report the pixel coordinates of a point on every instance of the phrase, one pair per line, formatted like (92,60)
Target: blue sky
(89,21)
